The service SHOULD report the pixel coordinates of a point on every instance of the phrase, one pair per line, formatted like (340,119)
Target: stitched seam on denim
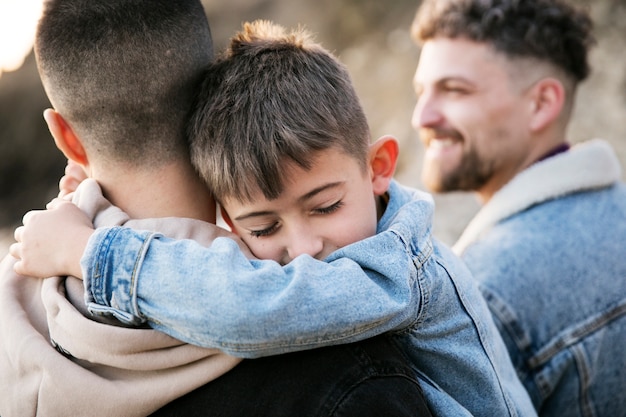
(331,403)
(423,255)
(419,260)
(136,268)
(98,273)
(371,376)
(507,317)
(574,335)
(486,345)
(509,321)
(582,365)
(311,342)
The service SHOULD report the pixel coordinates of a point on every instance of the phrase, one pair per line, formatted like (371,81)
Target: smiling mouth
(441,143)
(439,139)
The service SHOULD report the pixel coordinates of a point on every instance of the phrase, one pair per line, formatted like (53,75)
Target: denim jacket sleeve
(251,308)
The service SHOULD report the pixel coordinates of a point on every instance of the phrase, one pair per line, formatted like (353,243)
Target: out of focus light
(18,22)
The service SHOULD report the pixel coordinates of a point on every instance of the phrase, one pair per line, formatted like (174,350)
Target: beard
(470,175)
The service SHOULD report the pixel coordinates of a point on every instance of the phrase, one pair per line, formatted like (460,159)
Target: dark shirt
(368,378)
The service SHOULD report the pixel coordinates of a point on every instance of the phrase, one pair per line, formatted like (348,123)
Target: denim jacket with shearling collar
(549,253)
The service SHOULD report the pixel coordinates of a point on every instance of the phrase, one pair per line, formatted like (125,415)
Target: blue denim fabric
(554,276)
(399,280)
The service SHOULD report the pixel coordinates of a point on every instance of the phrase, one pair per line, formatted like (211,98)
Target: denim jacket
(549,251)
(399,280)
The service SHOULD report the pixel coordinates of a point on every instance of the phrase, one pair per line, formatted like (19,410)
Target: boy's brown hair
(273,97)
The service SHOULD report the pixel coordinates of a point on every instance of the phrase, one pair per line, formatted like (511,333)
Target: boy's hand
(74,175)
(51,242)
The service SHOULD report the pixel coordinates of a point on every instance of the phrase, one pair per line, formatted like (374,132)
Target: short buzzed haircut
(273,97)
(547,30)
(123,73)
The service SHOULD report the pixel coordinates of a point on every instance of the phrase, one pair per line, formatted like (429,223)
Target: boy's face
(471,115)
(320,210)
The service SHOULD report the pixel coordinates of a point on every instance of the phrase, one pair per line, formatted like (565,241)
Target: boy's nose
(305,244)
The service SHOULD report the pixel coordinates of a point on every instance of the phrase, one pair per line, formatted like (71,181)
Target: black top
(368,378)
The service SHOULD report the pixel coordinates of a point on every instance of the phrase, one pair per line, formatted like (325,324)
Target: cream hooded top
(104,370)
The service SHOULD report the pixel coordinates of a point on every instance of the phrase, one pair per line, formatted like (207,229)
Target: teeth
(440,143)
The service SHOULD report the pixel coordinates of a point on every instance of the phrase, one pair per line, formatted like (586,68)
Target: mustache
(428,134)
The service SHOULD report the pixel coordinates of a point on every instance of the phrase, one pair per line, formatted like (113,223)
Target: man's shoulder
(548,238)
(555,216)
(366,378)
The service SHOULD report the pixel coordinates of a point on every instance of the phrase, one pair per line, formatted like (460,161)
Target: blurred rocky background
(370,36)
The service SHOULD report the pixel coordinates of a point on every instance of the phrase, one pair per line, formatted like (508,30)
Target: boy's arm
(52,241)
(215,297)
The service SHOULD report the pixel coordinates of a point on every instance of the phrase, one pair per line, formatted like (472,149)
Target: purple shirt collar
(563,147)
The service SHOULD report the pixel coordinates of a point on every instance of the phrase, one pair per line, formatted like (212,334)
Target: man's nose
(426,112)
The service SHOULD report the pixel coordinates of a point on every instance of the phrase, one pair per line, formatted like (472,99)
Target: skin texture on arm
(50,231)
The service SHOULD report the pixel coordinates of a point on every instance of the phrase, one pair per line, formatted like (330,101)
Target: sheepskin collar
(588,165)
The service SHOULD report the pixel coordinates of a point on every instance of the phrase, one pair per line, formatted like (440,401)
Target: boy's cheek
(261,248)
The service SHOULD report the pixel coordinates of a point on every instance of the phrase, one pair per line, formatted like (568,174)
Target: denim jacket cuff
(110,287)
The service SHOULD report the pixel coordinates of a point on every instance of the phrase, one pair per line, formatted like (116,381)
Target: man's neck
(546,147)
(169,191)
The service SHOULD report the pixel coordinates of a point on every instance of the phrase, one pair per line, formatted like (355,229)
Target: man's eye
(264,232)
(329,209)
(455,89)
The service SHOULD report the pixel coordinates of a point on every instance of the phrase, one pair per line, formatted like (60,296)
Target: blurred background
(370,36)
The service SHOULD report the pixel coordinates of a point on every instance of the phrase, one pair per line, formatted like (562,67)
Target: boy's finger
(18,267)
(17,234)
(14,250)
(27,217)
(55,203)
(74,170)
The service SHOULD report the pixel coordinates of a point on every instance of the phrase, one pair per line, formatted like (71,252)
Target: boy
(282,142)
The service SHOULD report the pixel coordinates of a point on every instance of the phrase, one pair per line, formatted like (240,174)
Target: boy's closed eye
(271,226)
(330,208)
(258,233)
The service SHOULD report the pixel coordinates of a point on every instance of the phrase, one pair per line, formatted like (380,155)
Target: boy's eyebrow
(319,189)
(253,214)
(305,197)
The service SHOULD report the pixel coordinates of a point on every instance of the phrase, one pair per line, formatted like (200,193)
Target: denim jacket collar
(585,166)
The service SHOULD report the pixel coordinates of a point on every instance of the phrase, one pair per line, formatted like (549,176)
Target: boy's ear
(383,159)
(548,99)
(64,137)
(227,219)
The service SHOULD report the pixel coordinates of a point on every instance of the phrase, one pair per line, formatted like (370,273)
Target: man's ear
(548,99)
(65,138)
(383,159)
